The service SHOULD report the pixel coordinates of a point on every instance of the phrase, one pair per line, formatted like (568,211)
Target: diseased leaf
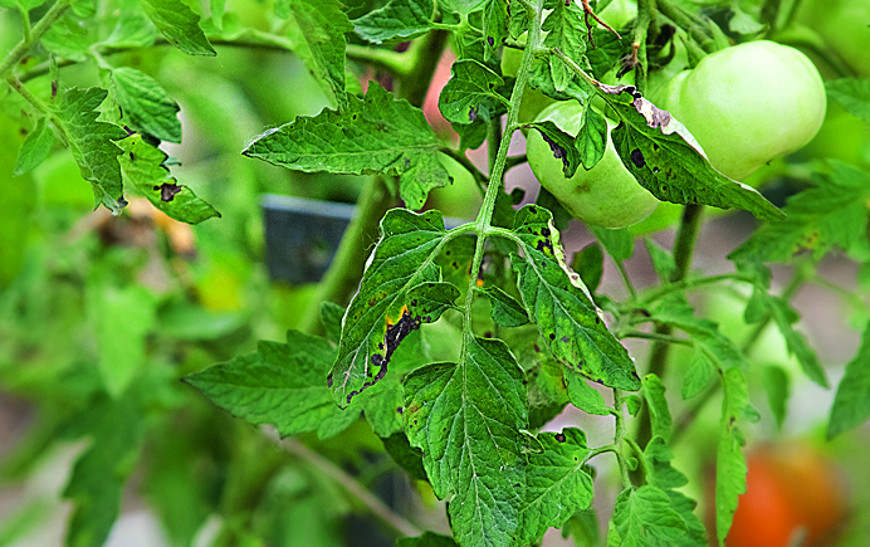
(471,93)
(402,19)
(730,463)
(375,134)
(281,384)
(557,301)
(466,418)
(90,142)
(495,28)
(35,148)
(179,25)
(665,160)
(545,387)
(506,311)
(145,105)
(400,289)
(852,94)
(557,483)
(561,145)
(144,166)
(644,517)
(852,402)
(318,38)
(832,213)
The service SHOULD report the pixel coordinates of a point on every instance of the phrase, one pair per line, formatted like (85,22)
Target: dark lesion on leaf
(168,190)
(396,332)
(637,158)
(559,152)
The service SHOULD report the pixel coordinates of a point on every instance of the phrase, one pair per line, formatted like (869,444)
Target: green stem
(641,28)
(20,50)
(496,176)
(25,23)
(689,284)
(27,94)
(360,492)
(619,437)
(626,280)
(657,337)
(394,62)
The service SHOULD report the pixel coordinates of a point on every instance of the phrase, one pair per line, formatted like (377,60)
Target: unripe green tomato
(749,104)
(606,195)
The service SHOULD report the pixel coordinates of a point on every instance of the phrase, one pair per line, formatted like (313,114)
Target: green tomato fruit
(606,195)
(749,104)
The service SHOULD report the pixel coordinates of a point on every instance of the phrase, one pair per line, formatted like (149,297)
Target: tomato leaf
(495,28)
(664,159)
(282,384)
(557,301)
(317,32)
(96,483)
(145,105)
(699,375)
(852,402)
(557,483)
(401,288)
(730,463)
(566,30)
(831,213)
(852,94)
(704,333)
(561,145)
(619,244)
(145,167)
(466,418)
(374,134)
(506,311)
(179,25)
(471,93)
(583,396)
(399,19)
(777,386)
(660,416)
(90,142)
(35,148)
(644,517)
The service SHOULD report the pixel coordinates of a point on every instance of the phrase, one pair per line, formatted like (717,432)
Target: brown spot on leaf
(637,158)
(167,190)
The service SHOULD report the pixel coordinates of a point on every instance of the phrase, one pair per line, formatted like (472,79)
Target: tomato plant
(606,195)
(749,104)
(514,360)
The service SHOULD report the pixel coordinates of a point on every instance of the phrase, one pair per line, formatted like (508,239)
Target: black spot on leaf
(558,152)
(167,191)
(637,158)
(560,438)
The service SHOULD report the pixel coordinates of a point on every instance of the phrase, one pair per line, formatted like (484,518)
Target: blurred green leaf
(852,94)
(35,148)
(179,25)
(471,93)
(852,403)
(730,463)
